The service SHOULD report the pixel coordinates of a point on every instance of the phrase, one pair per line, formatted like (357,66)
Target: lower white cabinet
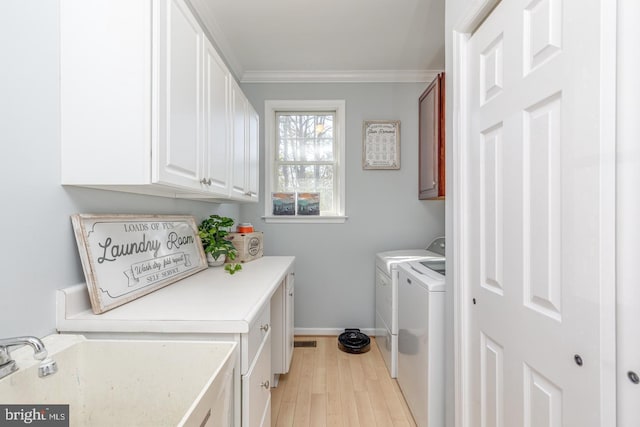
(288,327)
(256,369)
(211,306)
(282,303)
(252,341)
(256,388)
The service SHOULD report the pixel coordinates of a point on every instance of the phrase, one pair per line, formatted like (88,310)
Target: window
(304,150)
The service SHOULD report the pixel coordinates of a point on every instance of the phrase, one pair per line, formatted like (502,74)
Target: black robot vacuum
(354,341)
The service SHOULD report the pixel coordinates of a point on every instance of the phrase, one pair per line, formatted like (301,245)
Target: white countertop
(211,301)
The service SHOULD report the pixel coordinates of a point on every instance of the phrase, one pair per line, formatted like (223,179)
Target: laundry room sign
(127,256)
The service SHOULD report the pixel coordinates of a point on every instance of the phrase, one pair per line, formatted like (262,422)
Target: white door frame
(628,211)
(475,13)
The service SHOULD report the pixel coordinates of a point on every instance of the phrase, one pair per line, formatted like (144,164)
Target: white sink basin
(129,383)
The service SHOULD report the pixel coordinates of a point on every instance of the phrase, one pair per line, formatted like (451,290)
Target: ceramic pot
(215,262)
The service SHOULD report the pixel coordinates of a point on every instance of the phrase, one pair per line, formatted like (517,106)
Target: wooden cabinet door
(432,145)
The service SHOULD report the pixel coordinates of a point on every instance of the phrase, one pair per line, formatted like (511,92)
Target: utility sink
(129,383)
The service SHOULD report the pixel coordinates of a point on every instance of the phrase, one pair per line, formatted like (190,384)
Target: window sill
(294,219)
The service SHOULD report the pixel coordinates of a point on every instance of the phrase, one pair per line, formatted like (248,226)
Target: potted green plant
(213,232)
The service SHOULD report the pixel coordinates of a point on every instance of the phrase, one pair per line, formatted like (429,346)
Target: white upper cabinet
(253,162)
(245,147)
(147,104)
(180,149)
(239,107)
(216,162)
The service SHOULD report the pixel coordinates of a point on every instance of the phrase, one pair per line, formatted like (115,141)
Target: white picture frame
(381,144)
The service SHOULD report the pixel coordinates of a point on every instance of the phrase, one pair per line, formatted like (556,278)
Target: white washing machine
(421,295)
(386,326)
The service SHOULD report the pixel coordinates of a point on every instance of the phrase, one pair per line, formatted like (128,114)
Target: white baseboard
(329,331)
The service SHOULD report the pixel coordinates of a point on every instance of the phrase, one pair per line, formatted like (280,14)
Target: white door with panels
(539,254)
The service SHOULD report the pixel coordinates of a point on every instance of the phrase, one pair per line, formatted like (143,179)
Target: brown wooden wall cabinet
(431,181)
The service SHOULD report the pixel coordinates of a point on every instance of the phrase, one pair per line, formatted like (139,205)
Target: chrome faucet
(7,365)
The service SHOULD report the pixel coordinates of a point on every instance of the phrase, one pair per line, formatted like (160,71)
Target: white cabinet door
(256,388)
(217,144)
(105,92)
(180,148)
(245,162)
(282,327)
(288,321)
(252,162)
(278,336)
(239,107)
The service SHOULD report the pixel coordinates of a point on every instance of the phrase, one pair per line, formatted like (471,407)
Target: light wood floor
(328,387)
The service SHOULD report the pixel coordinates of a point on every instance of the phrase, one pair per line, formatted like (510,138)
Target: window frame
(271,107)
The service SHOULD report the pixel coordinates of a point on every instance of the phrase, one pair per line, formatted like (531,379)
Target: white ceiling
(329,40)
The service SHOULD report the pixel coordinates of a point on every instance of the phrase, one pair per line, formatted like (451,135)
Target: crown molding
(207,17)
(349,76)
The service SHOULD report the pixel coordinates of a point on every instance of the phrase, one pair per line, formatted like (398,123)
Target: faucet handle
(5,357)
(47,367)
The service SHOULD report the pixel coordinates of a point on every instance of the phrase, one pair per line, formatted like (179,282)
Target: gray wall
(38,253)
(335,262)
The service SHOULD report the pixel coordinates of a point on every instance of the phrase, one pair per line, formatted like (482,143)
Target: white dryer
(421,295)
(386,326)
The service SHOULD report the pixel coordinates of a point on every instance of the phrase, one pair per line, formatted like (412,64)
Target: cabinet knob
(265,384)
(209,181)
(203,181)
(291,293)
(264,328)
(248,193)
